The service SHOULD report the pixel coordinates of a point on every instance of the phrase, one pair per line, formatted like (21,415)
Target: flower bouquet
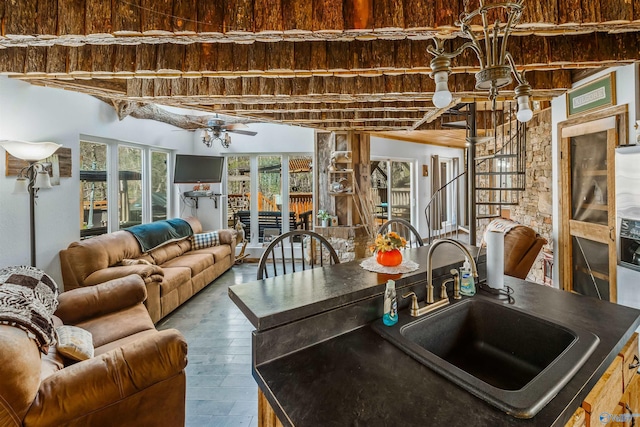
(387,246)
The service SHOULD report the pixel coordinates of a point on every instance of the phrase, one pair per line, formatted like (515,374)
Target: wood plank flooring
(220,389)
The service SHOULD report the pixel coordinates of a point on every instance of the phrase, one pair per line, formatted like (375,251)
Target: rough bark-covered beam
(418,86)
(283,107)
(290,59)
(277,19)
(148,111)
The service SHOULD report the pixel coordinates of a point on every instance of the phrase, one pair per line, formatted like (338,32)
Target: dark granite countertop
(356,378)
(283,299)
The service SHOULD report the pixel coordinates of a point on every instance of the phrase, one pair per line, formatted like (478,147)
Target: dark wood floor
(220,389)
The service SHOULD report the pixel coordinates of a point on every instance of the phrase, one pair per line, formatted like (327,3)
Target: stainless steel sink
(514,360)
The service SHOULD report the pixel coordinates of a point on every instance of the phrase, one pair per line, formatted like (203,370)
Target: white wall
(626,78)
(418,155)
(34,113)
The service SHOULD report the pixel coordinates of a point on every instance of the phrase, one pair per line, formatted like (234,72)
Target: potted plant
(324,217)
(388,247)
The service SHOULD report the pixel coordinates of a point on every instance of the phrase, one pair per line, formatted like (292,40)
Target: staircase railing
(501,170)
(452,204)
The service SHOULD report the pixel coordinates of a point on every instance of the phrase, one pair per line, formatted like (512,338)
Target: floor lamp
(32,177)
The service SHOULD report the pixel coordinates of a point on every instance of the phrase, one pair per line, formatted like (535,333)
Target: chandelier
(496,63)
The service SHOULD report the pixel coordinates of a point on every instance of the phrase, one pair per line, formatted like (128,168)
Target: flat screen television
(194,169)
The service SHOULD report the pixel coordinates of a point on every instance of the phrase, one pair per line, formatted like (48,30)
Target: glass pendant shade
(30,151)
(42,180)
(21,186)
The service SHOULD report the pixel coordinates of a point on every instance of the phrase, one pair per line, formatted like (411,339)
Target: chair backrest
(404,229)
(314,251)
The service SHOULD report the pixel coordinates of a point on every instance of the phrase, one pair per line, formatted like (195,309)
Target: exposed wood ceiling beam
(130,21)
(302,59)
(328,64)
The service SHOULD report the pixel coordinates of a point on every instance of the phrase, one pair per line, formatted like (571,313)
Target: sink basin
(513,360)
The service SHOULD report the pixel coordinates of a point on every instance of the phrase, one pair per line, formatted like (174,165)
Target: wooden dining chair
(284,255)
(404,229)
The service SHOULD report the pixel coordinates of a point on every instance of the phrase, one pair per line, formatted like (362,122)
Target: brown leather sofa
(173,272)
(521,247)
(136,377)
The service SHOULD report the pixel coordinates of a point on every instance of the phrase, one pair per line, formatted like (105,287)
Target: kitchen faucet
(432,247)
(415,309)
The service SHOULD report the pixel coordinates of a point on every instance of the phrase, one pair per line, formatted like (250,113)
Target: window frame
(113,223)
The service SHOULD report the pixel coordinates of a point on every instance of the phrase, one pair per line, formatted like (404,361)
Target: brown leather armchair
(521,246)
(135,378)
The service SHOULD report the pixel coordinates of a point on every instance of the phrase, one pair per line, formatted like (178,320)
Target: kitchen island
(319,362)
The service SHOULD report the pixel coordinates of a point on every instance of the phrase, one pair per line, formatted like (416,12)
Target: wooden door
(587,206)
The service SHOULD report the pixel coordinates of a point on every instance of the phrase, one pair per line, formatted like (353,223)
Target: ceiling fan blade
(234,126)
(243,132)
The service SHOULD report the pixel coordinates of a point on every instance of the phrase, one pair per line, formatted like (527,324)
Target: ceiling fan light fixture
(226,141)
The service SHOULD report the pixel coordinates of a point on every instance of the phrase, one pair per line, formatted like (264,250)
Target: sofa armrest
(228,236)
(149,273)
(90,302)
(103,381)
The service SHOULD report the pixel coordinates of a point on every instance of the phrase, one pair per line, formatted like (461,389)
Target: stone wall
(534,208)
(350,243)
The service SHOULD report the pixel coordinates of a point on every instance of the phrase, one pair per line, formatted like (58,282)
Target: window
(301,190)
(159,185)
(93,188)
(283,188)
(392,190)
(130,186)
(238,187)
(121,185)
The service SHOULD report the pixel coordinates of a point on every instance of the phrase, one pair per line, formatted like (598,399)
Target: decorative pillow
(204,240)
(75,343)
(127,261)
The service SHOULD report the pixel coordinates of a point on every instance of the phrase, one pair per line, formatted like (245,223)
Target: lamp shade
(21,186)
(42,180)
(30,151)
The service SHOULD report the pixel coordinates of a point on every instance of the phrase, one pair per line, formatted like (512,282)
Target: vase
(390,258)
(325,222)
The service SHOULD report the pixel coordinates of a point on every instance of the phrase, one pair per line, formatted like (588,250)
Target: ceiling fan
(217,129)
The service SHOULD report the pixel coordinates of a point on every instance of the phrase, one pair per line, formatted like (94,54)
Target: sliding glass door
(392,190)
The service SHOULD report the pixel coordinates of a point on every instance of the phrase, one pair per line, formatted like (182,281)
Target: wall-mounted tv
(194,169)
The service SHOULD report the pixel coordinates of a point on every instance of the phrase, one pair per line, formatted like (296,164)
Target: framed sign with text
(594,95)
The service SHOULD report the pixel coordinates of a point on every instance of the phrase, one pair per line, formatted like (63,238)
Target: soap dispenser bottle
(467,284)
(390,316)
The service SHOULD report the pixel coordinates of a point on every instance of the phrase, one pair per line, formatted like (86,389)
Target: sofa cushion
(136,261)
(196,262)
(124,340)
(219,252)
(74,343)
(205,240)
(170,251)
(119,324)
(174,277)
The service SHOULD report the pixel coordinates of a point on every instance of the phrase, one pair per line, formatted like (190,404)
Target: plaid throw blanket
(28,299)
